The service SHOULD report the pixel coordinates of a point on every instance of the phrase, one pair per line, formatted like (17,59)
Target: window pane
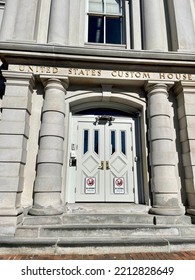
(113,142)
(96,6)
(113,30)
(113,6)
(123,142)
(96,141)
(96,29)
(86,141)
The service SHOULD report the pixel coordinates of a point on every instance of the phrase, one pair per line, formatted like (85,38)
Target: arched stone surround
(109,97)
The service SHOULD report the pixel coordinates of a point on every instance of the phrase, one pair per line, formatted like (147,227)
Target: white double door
(105,161)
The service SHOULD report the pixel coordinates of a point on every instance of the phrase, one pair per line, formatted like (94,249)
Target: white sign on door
(119,186)
(90,185)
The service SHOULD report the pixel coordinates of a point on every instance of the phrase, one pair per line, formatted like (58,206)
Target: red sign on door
(90,185)
(119,186)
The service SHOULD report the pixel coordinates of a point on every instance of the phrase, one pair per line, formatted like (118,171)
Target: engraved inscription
(100,73)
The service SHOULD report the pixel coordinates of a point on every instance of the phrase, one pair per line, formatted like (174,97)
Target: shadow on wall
(2,80)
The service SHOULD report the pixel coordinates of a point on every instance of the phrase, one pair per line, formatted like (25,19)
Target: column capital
(18,75)
(54,81)
(152,87)
(181,86)
(23,77)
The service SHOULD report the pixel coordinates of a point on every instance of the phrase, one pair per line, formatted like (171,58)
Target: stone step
(101,245)
(107,208)
(72,219)
(102,231)
(123,219)
(110,219)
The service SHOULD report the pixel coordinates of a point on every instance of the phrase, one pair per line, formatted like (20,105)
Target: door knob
(107,165)
(102,165)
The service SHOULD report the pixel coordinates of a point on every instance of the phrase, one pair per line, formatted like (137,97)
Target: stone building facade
(97,113)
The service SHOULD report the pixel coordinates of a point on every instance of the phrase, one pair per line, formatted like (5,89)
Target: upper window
(106,21)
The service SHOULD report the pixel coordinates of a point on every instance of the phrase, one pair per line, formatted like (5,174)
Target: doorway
(102,158)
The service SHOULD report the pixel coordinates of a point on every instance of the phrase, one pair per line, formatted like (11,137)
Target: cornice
(13,50)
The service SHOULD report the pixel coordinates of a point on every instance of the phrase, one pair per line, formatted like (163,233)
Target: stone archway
(125,103)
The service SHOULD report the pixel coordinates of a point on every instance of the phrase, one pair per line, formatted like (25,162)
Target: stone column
(14,133)
(182,26)
(165,184)
(59,22)
(154,24)
(8,22)
(48,182)
(186,114)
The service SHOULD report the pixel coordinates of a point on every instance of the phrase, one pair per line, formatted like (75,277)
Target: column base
(8,224)
(46,211)
(191,211)
(167,211)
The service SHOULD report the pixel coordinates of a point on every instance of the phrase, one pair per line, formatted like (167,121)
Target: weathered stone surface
(50,156)
(13,155)
(105,208)
(10,199)
(174,220)
(48,184)
(95,219)
(188,159)
(27,232)
(52,130)
(16,141)
(17,102)
(14,128)
(187,231)
(106,231)
(33,220)
(11,169)
(8,224)
(11,184)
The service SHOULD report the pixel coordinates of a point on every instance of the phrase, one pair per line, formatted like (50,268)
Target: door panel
(119,176)
(90,181)
(105,161)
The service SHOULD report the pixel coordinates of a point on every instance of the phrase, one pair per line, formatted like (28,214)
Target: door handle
(107,165)
(102,165)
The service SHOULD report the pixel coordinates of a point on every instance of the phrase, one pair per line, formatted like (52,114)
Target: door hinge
(133,190)
(136,159)
(132,168)
(131,148)
(75,190)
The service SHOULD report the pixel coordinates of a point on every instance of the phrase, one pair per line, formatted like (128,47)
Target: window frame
(106,15)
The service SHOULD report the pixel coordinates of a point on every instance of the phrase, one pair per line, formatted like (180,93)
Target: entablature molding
(68,75)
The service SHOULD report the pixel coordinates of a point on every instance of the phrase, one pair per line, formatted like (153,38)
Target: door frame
(71,173)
